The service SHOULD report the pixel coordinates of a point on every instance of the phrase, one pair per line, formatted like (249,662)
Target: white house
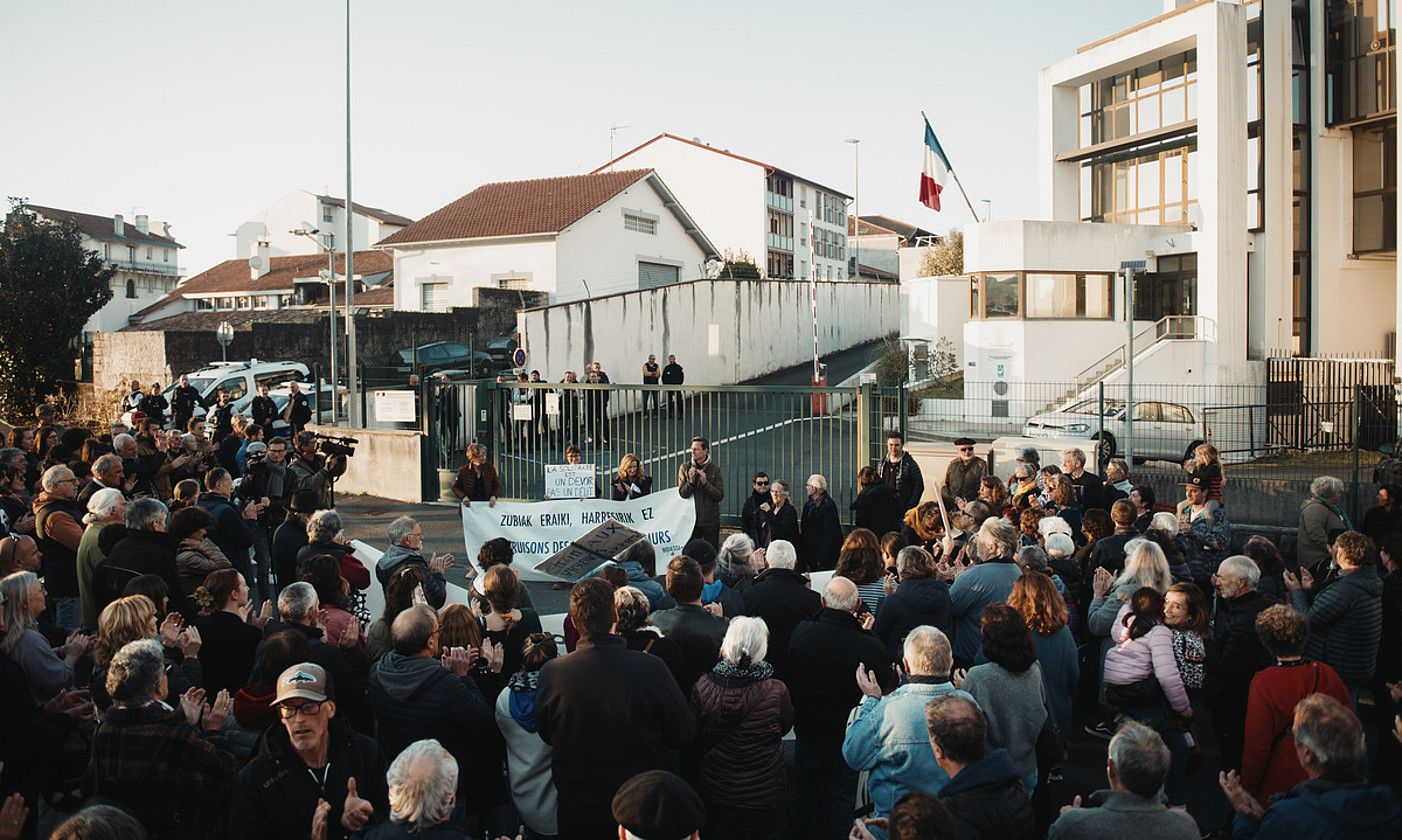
(751,207)
(144,254)
(575,237)
(325,214)
(1246,152)
(877,243)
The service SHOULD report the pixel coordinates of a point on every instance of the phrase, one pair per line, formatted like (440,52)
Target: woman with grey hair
(742,715)
(423,783)
(739,561)
(48,670)
(638,632)
(105,507)
(325,537)
(1322,518)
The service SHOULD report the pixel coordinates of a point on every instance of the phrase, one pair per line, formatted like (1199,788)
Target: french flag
(936,172)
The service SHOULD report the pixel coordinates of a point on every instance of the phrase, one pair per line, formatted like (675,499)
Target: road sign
(518,357)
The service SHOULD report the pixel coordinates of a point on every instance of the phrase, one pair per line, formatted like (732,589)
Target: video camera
(331,445)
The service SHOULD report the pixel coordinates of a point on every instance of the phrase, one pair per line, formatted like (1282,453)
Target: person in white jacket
(528,757)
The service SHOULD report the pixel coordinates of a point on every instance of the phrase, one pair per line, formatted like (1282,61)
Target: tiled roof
(876,273)
(100,227)
(209,320)
(372,212)
(518,208)
(726,152)
(234,276)
(877,225)
(378,296)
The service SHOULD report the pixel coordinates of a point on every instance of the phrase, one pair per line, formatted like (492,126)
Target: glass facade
(1358,56)
(1154,186)
(1301,162)
(1375,187)
(1157,95)
(1171,290)
(1033,295)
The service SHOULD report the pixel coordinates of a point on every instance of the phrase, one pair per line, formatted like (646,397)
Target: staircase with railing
(1167,328)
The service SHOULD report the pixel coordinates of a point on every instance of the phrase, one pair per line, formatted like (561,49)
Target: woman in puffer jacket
(1142,679)
(742,715)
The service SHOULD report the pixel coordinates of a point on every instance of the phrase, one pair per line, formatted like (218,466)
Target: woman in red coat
(1268,761)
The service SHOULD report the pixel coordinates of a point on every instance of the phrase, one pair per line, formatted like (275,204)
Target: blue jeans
(1161,721)
(67,612)
(825,793)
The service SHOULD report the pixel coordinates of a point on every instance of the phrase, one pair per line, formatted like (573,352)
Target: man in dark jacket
(985,791)
(311,757)
(964,475)
(263,409)
(609,712)
(695,630)
(821,538)
(297,609)
(1346,617)
(780,596)
(183,400)
(232,530)
(1334,801)
(823,657)
(876,507)
(1234,653)
(756,505)
(900,471)
(145,550)
(406,542)
(921,598)
(673,374)
(415,696)
(700,479)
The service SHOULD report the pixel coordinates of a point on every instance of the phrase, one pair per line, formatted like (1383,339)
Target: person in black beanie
(658,805)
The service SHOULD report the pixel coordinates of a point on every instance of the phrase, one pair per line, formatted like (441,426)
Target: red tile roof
(100,227)
(518,208)
(370,212)
(233,276)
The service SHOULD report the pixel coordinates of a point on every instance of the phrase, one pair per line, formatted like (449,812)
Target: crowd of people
(188,652)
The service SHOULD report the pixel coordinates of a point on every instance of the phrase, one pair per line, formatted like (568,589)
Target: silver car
(1162,430)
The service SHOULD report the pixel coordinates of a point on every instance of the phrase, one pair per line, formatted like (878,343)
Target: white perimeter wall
(721,331)
(465,267)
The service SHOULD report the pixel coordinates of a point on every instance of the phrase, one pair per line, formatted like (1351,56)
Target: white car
(241,379)
(1162,430)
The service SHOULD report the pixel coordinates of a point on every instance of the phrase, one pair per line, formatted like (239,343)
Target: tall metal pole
(857,202)
(352,388)
(331,309)
(1129,364)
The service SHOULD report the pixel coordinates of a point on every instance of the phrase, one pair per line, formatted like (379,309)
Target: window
(1146,411)
(149,252)
(107,252)
(1171,290)
(639,224)
(260,302)
(1153,187)
(131,254)
(518,283)
(131,288)
(1002,298)
(433,297)
(204,303)
(165,255)
(235,387)
(1037,295)
(1375,187)
(1358,57)
(803,269)
(1157,95)
(225,303)
(1172,413)
(327,214)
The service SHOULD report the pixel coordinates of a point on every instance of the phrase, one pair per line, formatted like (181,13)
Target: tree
(945,258)
(946,363)
(739,267)
(893,367)
(51,285)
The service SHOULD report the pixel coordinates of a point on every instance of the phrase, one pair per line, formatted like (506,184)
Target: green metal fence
(788,432)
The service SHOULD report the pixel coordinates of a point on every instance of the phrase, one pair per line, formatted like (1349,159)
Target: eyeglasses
(288,711)
(966,449)
(761,484)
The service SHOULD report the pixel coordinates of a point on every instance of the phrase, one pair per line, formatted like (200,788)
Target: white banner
(538,530)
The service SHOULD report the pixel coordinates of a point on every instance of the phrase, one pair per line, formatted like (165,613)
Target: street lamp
(353,387)
(856,202)
(329,246)
(987,208)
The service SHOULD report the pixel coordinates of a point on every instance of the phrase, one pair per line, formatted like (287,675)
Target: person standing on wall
(652,375)
(673,374)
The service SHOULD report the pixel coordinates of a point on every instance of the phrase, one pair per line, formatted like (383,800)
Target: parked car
(240,379)
(281,395)
(1162,430)
(443,355)
(501,350)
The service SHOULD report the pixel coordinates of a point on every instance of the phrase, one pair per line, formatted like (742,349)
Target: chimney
(260,263)
(119,227)
(143,223)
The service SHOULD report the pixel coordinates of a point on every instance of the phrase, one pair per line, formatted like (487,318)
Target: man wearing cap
(313,757)
(965,473)
(299,609)
(658,805)
(1204,533)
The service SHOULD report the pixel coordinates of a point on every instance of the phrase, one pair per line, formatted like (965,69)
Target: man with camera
(317,472)
(267,481)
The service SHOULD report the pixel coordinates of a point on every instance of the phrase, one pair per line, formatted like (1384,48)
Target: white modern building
(1247,153)
(574,237)
(751,208)
(886,247)
(324,214)
(142,252)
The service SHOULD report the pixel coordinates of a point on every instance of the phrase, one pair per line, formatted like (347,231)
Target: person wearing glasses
(964,474)
(56,527)
(756,505)
(312,767)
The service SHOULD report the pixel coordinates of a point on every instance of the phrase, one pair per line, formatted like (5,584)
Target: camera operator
(314,471)
(233,529)
(268,482)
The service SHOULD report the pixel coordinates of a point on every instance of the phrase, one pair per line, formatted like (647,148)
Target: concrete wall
(386,463)
(121,357)
(722,331)
(935,308)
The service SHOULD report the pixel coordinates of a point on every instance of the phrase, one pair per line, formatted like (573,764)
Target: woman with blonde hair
(630,482)
(638,632)
(132,618)
(506,624)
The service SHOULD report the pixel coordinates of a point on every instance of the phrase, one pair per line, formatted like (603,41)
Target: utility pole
(856,203)
(352,408)
(1129,267)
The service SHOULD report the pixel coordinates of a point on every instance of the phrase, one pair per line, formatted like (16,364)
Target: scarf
(521,702)
(748,672)
(1348,524)
(912,519)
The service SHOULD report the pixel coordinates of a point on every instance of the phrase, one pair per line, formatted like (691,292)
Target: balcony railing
(782,243)
(147,266)
(779,202)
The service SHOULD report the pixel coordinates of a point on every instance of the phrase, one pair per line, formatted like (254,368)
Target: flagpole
(956,180)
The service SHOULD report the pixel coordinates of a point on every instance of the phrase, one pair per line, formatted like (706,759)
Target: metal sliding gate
(788,432)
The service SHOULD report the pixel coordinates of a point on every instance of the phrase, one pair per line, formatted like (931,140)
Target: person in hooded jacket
(920,598)
(1335,801)
(406,538)
(640,562)
(527,756)
(1346,617)
(742,715)
(417,691)
(985,792)
(876,508)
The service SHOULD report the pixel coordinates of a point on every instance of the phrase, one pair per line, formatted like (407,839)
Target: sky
(202,114)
